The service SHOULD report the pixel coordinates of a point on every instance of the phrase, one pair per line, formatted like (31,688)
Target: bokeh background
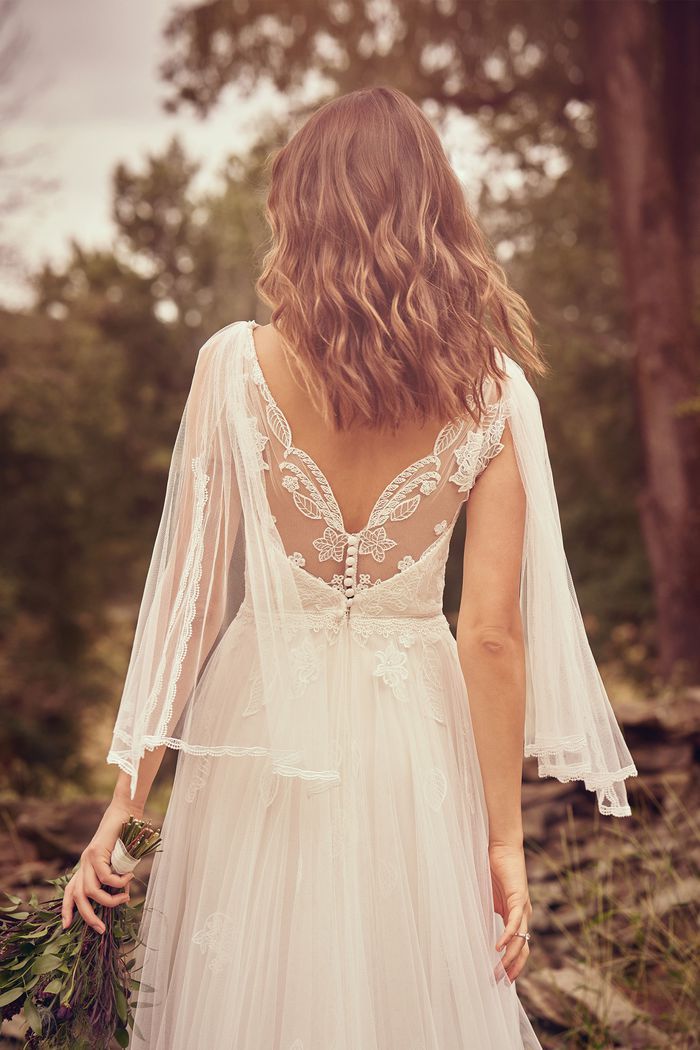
(131,227)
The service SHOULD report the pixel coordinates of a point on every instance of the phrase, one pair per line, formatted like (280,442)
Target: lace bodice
(395,563)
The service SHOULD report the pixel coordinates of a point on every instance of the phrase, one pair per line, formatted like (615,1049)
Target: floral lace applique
(331,545)
(305,667)
(435,788)
(392,668)
(216,939)
(481,446)
(314,497)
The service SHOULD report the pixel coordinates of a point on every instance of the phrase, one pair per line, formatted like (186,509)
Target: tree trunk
(632,47)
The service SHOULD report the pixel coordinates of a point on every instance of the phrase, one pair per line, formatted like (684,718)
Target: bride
(342,863)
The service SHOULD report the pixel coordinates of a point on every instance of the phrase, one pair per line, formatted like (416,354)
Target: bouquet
(75,986)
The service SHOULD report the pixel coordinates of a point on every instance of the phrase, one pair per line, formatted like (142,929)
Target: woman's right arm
(95,869)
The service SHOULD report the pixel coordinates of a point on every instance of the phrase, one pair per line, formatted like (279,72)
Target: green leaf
(120,1004)
(46,963)
(121,1037)
(53,987)
(32,1016)
(10,996)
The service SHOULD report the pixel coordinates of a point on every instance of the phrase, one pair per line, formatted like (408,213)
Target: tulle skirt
(288,914)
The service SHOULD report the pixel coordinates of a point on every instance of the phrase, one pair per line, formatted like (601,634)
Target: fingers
(92,889)
(515,923)
(85,884)
(519,961)
(513,954)
(107,876)
(517,949)
(67,906)
(84,907)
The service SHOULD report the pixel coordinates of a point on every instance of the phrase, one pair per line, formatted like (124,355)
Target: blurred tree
(20,181)
(60,436)
(94,380)
(544,90)
(645,70)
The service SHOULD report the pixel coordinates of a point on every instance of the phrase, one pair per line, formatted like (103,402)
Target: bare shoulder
(274,364)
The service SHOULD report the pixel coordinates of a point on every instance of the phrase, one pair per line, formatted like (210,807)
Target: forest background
(585,117)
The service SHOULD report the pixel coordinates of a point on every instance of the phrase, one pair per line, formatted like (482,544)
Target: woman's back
(364,499)
(358,463)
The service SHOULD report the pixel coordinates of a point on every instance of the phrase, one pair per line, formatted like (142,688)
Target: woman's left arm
(491,649)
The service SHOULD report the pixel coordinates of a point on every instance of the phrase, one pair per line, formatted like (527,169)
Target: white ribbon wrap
(121,860)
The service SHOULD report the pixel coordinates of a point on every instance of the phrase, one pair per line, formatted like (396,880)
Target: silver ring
(525,935)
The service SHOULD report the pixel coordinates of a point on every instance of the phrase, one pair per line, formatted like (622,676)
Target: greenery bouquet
(75,986)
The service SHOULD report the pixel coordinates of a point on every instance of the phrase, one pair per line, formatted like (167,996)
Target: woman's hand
(512,902)
(95,869)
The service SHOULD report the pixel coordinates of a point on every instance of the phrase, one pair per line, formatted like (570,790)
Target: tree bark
(645,123)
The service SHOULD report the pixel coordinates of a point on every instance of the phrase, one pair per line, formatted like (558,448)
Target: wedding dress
(324,880)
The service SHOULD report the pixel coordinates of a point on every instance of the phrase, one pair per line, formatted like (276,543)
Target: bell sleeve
(570,726)
(185,598)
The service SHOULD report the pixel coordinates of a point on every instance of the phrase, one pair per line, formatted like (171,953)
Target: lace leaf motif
(399,500)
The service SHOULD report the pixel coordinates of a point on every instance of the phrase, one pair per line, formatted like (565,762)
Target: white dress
(338,897)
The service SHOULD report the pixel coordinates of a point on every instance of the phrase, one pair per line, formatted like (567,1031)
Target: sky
(86,95)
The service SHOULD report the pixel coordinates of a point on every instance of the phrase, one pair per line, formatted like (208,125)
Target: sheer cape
(219,561)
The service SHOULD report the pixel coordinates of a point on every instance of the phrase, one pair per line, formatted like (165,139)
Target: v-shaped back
(414,511)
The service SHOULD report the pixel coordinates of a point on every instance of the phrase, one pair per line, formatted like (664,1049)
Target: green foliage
(73,985)
(563,263)
(94,383)
(95,376)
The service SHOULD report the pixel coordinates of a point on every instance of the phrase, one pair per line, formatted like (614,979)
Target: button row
(350,577)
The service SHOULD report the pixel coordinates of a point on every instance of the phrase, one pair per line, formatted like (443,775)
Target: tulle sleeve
(185,598)
(570,725)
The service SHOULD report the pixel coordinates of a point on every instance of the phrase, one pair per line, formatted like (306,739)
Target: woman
(343,857)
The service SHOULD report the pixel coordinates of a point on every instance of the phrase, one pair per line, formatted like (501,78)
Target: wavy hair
(384,292)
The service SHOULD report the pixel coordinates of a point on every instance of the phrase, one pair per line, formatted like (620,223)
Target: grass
(625,929)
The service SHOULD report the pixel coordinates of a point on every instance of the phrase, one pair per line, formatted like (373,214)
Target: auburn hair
(385,294)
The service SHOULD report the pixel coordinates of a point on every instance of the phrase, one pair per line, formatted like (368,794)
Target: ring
(525,935)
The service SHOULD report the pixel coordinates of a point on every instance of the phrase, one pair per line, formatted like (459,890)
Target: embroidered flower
(376,542)
(290,483)
(331,544)
(216,940)
(467,456)
(428,486)
(297,559)
(392,668)
(305,664)
(481,446)
(406,563)
(440,527)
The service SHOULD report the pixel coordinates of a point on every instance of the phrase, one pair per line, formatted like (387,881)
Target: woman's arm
(148,768)
(492,656)
(490,636)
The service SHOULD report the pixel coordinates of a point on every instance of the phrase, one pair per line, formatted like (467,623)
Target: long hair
(387,299)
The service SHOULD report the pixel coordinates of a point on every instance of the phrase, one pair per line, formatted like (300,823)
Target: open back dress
(324,880)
